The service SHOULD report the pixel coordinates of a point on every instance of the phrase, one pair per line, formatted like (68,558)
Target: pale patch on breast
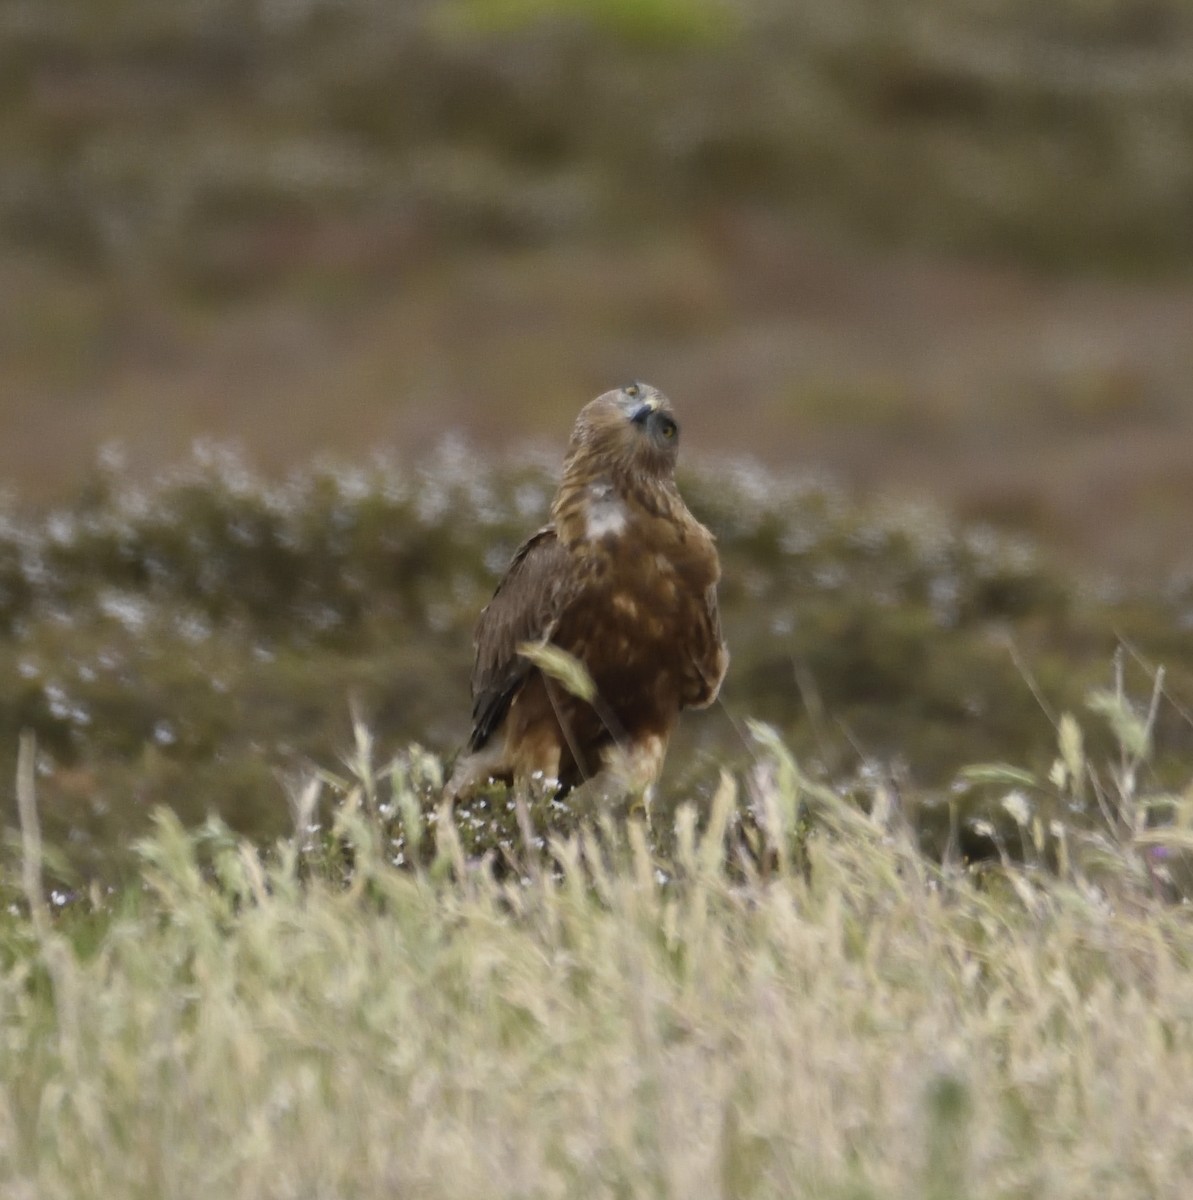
(606,516)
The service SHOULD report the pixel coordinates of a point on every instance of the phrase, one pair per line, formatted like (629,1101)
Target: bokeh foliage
(220,146)
(193,640)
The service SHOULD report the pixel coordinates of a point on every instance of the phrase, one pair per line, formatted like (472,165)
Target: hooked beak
(639,415)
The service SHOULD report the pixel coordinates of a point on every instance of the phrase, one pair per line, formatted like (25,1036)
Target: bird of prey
(623,580)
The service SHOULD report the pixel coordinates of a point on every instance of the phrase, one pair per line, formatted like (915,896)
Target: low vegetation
(923,934)
(202,641)
(220,147)
(778,995)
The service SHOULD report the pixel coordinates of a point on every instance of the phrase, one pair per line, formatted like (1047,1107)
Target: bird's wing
(525,608)
(711,655)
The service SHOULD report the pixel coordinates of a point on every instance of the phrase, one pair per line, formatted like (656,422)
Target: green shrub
(185,641)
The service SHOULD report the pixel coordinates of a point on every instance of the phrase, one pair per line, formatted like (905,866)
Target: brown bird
(624,580)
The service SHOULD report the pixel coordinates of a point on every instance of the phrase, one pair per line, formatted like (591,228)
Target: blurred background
(941,250)
(930,265)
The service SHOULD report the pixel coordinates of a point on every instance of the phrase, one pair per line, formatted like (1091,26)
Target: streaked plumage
(623,579)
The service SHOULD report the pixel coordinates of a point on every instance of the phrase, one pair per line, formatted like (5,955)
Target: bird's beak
(639,415)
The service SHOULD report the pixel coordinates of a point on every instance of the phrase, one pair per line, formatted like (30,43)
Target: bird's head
(630,429)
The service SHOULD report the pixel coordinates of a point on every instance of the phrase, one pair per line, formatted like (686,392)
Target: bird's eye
(668,428)
(632,391)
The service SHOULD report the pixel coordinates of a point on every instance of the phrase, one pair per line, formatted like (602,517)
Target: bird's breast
(605,517)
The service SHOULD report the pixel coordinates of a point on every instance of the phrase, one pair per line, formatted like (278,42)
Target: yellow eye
(632,391)
(668,428)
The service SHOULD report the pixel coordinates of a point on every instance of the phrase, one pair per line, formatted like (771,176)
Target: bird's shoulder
(525,607)
(525,594)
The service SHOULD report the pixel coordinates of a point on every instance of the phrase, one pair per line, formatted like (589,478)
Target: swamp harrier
(623,580)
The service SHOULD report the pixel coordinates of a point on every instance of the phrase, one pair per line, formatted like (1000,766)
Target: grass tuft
(616,1015)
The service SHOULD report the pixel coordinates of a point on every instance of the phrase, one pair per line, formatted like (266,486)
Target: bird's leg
(474,772)
(624,784)
(603,793)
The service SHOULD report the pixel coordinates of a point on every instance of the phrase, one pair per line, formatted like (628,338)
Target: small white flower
(1018,806)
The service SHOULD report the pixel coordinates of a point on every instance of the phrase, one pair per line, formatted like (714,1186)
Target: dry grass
(847,1022)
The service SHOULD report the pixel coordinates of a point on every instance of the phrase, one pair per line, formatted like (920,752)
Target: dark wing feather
(525,608)
(713,655)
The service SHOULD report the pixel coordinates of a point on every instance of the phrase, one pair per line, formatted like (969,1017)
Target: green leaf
(998,773)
